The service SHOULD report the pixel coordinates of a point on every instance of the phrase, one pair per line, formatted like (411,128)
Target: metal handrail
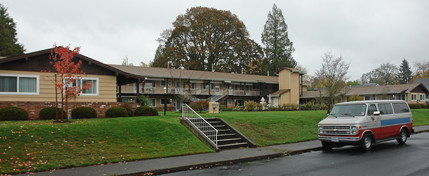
(200,124)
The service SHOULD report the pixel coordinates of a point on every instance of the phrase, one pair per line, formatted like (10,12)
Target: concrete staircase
(228,137)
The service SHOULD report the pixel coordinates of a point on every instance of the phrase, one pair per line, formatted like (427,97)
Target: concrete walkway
(189,162)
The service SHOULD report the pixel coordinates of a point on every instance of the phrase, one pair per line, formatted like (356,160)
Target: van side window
(385,108)
(400,107)
(372,108)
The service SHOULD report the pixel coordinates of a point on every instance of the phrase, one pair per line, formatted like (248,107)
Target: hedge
(117,112)
(145,111)
(13,113)
(83,113)
(49,113)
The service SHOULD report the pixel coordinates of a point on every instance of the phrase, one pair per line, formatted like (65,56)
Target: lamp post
(165,99)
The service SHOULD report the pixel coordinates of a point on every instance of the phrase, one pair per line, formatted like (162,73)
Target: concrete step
(233,145)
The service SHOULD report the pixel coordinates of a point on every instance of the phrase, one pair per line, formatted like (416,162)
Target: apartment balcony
(194,92)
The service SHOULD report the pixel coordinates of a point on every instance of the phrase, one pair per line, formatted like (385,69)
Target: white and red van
(364,123)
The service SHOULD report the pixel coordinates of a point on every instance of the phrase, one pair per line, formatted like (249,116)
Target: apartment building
(176,86)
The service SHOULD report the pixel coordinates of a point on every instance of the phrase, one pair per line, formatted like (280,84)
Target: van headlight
(320,130)
(355,130)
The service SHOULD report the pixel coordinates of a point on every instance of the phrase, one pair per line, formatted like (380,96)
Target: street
(387,158)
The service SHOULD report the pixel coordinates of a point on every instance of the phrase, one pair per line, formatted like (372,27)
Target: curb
(222,163)
(205,165)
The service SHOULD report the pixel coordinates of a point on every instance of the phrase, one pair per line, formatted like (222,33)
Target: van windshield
(348,110)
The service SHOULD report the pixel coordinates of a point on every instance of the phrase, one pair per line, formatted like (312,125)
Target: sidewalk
(188,162)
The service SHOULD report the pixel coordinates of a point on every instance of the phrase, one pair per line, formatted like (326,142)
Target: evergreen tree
(9,45)
(278,48)
(405,72)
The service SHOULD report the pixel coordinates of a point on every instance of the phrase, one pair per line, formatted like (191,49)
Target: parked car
(364,123)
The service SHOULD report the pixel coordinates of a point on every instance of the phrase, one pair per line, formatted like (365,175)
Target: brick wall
(33,108)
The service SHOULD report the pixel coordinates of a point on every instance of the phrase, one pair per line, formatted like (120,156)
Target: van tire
(403,136)
(366,142)
(327,146)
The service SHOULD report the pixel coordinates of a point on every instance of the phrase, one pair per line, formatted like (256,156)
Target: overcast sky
(365,33)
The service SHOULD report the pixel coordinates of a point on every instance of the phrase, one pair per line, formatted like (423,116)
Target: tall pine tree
(405,72)
(9,45)
(278,48)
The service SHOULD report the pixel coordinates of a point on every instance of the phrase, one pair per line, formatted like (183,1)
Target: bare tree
(385,74)
(332,76)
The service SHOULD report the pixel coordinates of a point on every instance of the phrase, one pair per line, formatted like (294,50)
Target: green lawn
(275,127)
(42,145)
(420,116)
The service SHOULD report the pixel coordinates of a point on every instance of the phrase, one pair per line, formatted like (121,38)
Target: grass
(275,127)
(28,146)
(420,117)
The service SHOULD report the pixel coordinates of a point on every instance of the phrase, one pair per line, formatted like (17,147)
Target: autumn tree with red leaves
(68,75)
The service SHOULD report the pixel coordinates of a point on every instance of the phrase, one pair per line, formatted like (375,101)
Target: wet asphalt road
(387,158)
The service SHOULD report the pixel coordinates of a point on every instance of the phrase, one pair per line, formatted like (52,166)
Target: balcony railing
(182,91)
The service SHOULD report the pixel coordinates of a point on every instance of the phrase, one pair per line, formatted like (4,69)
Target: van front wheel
(366,142)
(403,137)
(326,146)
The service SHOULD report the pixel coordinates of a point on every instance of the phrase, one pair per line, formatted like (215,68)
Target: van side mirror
(376,113)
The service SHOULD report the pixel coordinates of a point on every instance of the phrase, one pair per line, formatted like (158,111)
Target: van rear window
(400,107)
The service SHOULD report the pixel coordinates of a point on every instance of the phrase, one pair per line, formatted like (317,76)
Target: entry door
(178,104)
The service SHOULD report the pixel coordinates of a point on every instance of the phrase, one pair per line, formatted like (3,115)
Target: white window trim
(17,84)
(97,87)
(86,78)
(412,97)
(154,101)
(424,97)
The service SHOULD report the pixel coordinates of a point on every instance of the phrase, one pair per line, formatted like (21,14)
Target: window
(400,107)
(163,100)
(19,84)
(178,84)
(422,97)
(371,97)
(385,108)
(372,108)
(163,83)
(413,97)
(229,102)
(192,85)
(403,97)
(152,102)
(149,84)
(206,85)
(90,91)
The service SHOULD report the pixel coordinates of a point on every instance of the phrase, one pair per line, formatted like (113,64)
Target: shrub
(308,106)
(127,106)
(13,113)
(83,113)
(199,105)
(49,113)
(322,107)
(222,107)
(143,100)
(117,112)
(260,107)
(273,108)
(146,111)
(250,105)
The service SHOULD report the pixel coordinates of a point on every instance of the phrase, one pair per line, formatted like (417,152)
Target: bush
(250,105)
(199,105)
(13,113)
(417,106)
(143,100)
(83,113)
(146,111)
(321,107)
(49,113)
(222,107)
(117,112)
(308,106)
(127,106)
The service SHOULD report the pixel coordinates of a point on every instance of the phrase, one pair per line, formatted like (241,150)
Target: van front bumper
(341,139)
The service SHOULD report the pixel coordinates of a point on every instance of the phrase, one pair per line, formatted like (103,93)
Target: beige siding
(106,91)
(289,80)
